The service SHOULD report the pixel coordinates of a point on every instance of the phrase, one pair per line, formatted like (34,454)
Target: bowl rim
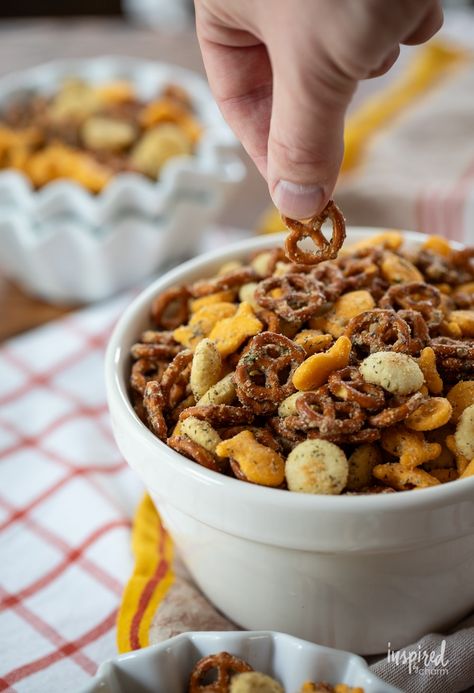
(117,390)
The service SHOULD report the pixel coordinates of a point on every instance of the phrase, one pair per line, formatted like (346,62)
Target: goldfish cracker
(409,446)
(206,367)
(461,460)
(460,397)
(451,329)
(315,370)
(444,288)
(395,372)
(230,333)
(312,341)
(401,478)
(427,363)
(223,392)
(361,462)
(201,432)
(60,161)
(219,297)
(115,92)
(469,471)
(316,466)
(396,269)
(258,463)
(464,319)
(166,111)
(433,413)
(446,457)
(438,245)
(392,240)
(346,307)
(464,435)
(202,322)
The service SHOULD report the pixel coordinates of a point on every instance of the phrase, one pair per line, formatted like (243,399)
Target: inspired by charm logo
(420,661)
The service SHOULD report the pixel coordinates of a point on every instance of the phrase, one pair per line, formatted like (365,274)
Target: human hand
(284,71)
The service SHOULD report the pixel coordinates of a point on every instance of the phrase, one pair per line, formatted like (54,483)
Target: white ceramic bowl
(165,668)
(353,572)
(66,244)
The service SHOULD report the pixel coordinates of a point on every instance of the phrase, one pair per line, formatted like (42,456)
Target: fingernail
(298,201)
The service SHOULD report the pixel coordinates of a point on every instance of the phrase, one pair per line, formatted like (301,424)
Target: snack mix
(226,673)
(318,372)
(90,132)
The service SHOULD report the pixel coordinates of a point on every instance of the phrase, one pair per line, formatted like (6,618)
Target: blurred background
(33,32)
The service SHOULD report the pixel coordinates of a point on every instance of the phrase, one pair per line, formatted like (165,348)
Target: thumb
(305,144)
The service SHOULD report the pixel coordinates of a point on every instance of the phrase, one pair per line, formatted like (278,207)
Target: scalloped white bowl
(66,244)
(165,668)
(352,572)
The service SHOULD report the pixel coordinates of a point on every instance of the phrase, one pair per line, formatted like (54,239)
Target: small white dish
(165,668)
(66,244)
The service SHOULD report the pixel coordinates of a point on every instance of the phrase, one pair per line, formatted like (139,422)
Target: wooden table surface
(25,43)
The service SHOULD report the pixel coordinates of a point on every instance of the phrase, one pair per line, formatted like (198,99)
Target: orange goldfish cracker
(116,91)
(361,462)
(451,329)
(396,372)
(396,269)
(469,471)
(446,289)
(461,460)
(467,288)
(201,432)
(60,161)
(464,435)
(461,396)
(391,240)
(219,297)
(401,478)
(312,341)
(346,307)
(316,466)
(446,457)
(427,363)
(206,367)
(315,370)
(231,332)
(258,463)
(433,413)
(464,319)
(437,244)
(409,446)
(202,322)
(223,392)
(168,111)
(344,688)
